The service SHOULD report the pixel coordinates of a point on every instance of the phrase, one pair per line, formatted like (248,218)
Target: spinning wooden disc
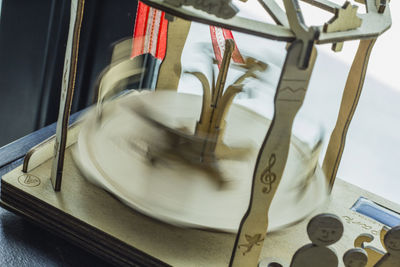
(120,152)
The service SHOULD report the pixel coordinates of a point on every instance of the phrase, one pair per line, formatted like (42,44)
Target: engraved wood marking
(292,90)
(252,241)
(268,177)
(29,180)
(364,226)
(277,141)
(294,80)
(289,94)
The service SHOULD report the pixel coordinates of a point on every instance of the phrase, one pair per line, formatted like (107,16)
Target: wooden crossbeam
(275,11)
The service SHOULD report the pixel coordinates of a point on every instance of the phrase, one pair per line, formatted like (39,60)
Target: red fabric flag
(150,33)
(218,37)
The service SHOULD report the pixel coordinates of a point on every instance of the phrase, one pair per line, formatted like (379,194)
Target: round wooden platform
(111,153)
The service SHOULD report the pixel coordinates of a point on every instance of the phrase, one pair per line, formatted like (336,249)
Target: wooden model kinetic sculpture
(121,242)
(205,146)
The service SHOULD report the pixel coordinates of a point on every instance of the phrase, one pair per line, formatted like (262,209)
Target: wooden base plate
(96,221)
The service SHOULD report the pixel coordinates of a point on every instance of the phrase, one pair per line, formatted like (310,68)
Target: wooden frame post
(67,91)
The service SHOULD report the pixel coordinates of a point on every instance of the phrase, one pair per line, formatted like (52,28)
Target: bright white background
(386,51)
(372,154)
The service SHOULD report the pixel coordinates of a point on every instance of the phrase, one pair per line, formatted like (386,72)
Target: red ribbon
(150,36)
(218,37)
(150,33)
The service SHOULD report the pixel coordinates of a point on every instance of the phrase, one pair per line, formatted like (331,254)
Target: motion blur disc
(110,153)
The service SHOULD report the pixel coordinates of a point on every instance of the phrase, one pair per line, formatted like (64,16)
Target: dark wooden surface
(23,243)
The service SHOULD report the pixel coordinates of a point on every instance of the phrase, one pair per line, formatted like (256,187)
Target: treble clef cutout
(268,177)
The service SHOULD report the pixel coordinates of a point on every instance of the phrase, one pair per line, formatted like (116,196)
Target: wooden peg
(355,257)
(323,230)
(392,244)
(337,47)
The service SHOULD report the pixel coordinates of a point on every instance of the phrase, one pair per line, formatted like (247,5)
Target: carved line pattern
(364,226)
(293,91)
(288,88)
(289,100)
(268,177)
(294,80)
(255,240)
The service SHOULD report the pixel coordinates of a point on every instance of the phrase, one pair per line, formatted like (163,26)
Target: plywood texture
(95,220)
(171,67)
(374,23)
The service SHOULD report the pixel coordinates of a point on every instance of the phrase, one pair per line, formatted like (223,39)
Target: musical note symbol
(268,177)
